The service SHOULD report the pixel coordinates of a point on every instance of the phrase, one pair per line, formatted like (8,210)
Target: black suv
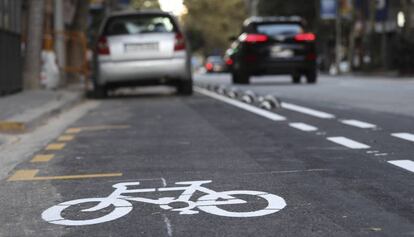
(273,45)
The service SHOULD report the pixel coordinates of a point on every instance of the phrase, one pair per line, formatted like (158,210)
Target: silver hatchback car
(141,48)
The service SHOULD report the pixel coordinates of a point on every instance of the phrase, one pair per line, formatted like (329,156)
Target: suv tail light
(103,47)
(179,42)
(305,37)
(254,38)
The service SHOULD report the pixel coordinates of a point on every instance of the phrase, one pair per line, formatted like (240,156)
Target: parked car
(273,45)
(141,48)
(215,64)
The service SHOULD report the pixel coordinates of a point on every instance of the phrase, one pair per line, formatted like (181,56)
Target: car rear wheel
(296,79)
(185,87)
(312,77)
(240,77)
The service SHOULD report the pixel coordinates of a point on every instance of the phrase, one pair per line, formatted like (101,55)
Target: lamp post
(60,46)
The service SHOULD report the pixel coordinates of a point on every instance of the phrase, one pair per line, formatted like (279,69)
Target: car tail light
(209,66)
(179,42)
(103,47)
(254,38)
(305,37)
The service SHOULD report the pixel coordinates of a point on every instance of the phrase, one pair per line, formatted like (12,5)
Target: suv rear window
(273,29)
(139,24)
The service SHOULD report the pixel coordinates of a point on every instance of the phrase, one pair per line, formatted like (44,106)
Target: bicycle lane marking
(209,203)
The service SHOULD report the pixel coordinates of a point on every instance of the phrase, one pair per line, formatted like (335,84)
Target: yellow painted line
(42,158)
(96,128)
(73,130)
(10,126)
(30,175)
(66,138)
(55,147)
(105,127)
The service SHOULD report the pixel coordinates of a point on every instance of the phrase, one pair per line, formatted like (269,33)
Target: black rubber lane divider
(268,102)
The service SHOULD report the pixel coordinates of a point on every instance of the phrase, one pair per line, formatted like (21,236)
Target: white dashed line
(358,124)
(168,225)
(348,143)
(405,164)
(405,136)
(308,111)
(241,105)
(303,127)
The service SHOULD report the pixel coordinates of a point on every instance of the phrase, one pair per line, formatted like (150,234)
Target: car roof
(275,19)
(126,13)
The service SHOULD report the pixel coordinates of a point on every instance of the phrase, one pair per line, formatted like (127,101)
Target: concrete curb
(34,117)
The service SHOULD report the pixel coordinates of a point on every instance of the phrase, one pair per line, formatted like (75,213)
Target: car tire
(185,87)
(239,77)
(100,92)
(296,79)
(312,77)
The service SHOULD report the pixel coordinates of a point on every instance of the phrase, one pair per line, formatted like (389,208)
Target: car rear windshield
(273,29)
(139,24)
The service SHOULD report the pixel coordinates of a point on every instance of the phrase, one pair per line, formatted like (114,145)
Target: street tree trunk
(33,64)
(75,52)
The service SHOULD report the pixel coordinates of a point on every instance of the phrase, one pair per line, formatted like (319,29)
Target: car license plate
(279,52)
(142,47)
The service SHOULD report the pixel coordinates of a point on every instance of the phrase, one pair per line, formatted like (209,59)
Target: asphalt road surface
(335,160)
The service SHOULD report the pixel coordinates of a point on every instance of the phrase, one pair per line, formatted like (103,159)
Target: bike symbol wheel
(53,215)
(275,204)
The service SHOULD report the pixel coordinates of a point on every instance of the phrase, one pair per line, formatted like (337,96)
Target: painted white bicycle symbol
(120,201)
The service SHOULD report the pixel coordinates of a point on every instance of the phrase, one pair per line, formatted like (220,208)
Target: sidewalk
(23,111)
(384,75)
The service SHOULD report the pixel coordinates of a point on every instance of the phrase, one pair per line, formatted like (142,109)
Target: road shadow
(283,81)
(152,92)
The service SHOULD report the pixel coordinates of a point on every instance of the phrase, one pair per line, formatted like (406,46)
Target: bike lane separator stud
(42,158)
(73,130)
(66,138)
(55,147)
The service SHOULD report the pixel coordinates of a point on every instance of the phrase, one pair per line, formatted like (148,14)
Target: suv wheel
(312,77)
(296,79)
(240,77)
(185,87)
